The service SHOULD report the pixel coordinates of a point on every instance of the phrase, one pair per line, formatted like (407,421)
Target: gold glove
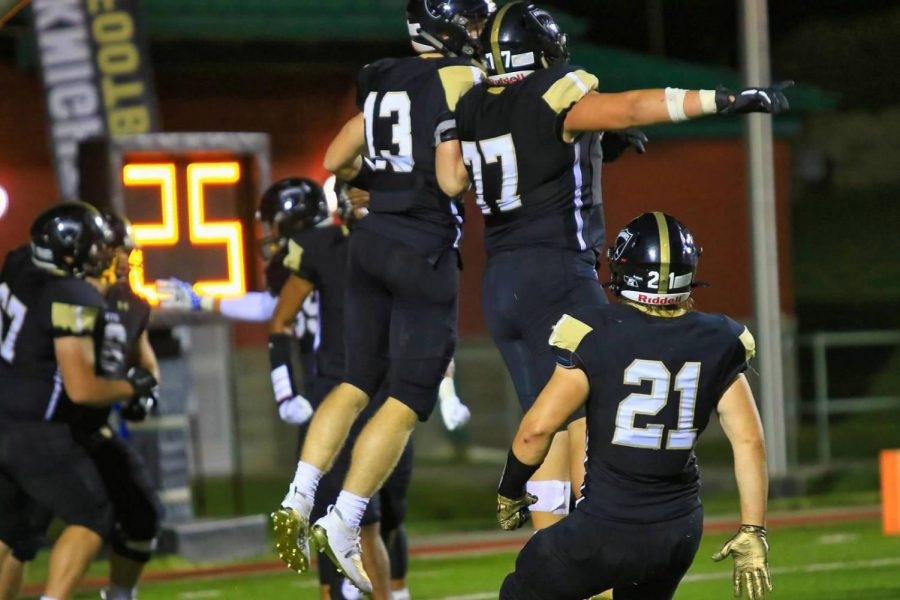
(513,513)
(751,566)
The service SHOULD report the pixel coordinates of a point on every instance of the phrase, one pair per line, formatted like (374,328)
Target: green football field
(838,561)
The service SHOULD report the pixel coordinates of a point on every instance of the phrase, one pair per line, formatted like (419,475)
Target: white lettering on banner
(73,99)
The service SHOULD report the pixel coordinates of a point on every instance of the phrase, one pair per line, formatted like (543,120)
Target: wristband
(207,303)
(675,104)
(515,475)
(280,361)
(708,102)
(363,179)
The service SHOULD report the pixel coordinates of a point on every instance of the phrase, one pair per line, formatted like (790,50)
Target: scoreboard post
(191,198)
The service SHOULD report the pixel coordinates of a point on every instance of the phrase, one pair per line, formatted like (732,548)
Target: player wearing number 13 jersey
(650,372)
(402,276)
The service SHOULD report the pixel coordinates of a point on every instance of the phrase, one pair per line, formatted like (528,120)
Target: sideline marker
(890,491)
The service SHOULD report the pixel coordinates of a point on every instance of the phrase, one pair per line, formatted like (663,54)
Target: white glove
(175,294)
(296,411)
(454,413)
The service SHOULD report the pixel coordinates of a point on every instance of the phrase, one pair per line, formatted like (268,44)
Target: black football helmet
(441,25)
(72,238)
(653,261)
(123,234)
(521,37)
(290,206)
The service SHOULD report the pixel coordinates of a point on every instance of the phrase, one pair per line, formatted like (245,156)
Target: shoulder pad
(294,256)
(567,86)
(456,80)
(568,333)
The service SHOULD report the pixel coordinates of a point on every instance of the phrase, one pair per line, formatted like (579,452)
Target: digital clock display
(191,199)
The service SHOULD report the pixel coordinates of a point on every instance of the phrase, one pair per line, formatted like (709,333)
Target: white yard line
(726,575)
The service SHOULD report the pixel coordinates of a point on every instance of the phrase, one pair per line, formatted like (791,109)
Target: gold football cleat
(291,538)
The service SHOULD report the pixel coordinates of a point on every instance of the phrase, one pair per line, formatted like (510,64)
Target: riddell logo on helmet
(656,299)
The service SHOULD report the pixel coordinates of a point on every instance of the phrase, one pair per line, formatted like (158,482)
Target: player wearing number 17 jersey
(650,372)
(402,277)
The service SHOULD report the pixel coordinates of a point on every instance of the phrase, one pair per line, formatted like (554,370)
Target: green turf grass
(820,562)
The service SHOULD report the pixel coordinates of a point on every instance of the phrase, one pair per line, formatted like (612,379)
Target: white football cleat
(291,526)
(340,543)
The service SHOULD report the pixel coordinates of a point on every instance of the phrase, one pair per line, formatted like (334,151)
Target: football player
(531,141)
(121,340)
(650,371)
(403,278)
(50,315)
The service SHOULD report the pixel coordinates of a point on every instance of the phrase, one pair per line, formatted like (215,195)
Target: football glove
(753,100)
(139,407)
(751,567)
(141,380)
(175,294)
(454,413)
(296,410)
(615,143)
(512,513)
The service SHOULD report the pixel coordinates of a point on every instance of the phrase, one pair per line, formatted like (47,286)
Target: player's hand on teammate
(175,294)
(454,413)
(750,552)
(615,143)
(512,513)
(295,411)
(754,100)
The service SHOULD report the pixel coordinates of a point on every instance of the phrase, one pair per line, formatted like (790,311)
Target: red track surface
(474,545)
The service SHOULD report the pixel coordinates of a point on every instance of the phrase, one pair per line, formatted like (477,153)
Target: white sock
(400,594)
(306,480)
(351,507)
(115,592)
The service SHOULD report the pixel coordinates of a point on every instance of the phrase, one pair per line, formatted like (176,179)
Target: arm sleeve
(742,348)
(363,83)
(74,308)
(455,80)
(302,251)
(570,343)
(563,92)
(252,306)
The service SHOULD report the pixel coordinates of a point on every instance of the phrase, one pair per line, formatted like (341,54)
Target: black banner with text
(97,76)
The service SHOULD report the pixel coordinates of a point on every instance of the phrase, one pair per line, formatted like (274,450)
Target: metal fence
(824,406)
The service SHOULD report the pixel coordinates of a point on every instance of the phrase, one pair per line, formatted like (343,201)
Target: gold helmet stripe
(665,252)
(495,39)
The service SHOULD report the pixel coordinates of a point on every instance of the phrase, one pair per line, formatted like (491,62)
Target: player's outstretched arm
(76,360)
(175,294)
(749,548)
(637,108)
(147,356)
(344,154)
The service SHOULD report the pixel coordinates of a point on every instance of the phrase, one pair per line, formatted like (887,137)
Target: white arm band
(675,104)
(708,102)
(252,306)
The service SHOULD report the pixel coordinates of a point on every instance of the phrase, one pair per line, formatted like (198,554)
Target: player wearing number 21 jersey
(650,372)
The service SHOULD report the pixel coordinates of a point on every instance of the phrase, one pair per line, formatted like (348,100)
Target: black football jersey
(319,255)
(533,188)
(654,383)
(36,307)
(122,322)
(408,104)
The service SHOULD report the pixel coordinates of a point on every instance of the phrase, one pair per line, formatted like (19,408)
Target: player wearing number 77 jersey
(650,372)
(531,142)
